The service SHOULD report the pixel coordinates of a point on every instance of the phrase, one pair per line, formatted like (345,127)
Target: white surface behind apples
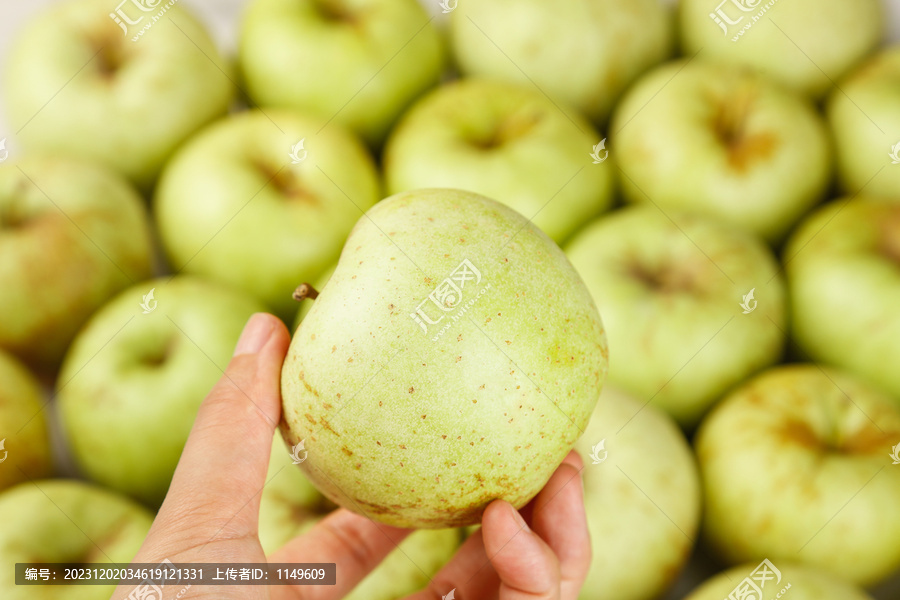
(222,17)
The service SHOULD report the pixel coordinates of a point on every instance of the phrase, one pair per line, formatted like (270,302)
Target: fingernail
(256,333)
(517,517)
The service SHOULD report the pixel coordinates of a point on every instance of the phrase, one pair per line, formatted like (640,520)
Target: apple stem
(304,291)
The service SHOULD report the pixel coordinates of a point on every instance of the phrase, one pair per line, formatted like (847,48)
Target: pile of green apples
(665,235)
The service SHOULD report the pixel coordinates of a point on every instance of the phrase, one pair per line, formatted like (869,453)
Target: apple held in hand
(796,466)
(131,383)
(77,84)
(66,521)
(259,201)
(583,52)
(842,271)
(804,44)
(723,142)
(864,115)
(358,63)
(642,497)
(24,437)
(72,234)
(506,142)
(691,309)
(453,358)
(775,581)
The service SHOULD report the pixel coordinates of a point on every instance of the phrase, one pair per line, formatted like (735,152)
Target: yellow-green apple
(507,142)
(453,358)
(72,234)
(864,115)
(642,497)
(843,273)
(724,142)
(260,200)
(138,371)
(24,437)
(796,465)
(583,52)
(770,581)
(804,44)
(66,521)
(691,309)
(77,83)
(357,62)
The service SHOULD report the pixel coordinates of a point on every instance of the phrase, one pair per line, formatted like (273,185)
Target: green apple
(691,309)
(453,358)
(138,371)
(786,580)
(804,44)
(506,142)
(642,497)
(72,234)
(865,122)
(66,521)
(842,271)
(583,52)
(796,466)
(259,200)
(694,137)
(358,62)
(290,506)
(24,437)
(78,84)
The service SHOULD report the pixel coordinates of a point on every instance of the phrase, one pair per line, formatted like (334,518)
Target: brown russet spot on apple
(346,450)
(730,125)
(889,238)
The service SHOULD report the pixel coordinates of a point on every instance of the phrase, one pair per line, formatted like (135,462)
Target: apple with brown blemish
(721,141)
(453,358)
(796,466)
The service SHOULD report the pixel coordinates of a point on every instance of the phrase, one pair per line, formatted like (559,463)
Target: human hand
(211,511)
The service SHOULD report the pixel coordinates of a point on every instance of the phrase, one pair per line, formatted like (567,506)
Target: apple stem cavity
(304,291)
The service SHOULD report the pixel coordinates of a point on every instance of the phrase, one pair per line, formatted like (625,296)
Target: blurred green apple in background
(582,52)
(358,62)
(134,377)
(671,298)
(453,358)
(507,142)
(77,84)
(796,466)
(805,44)
(66,521)
(843,272)
(263,202)
(24,437)
(642,497)
(72,234)
(864,115)
(787,580)
(290,506)
(696,137)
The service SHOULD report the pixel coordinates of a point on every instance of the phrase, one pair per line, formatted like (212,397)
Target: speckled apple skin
(424,430)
